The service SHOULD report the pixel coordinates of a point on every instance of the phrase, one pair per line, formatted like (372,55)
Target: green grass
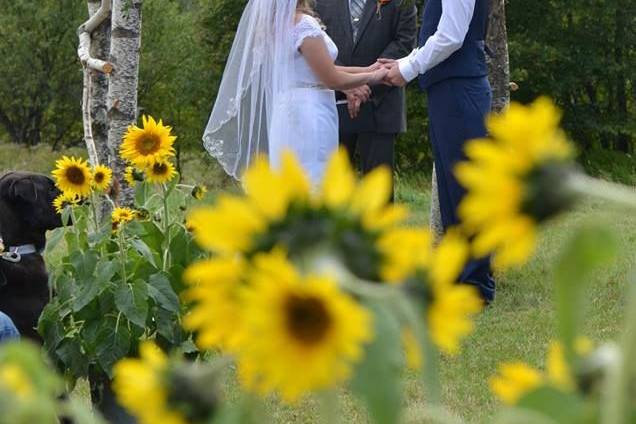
(518,326)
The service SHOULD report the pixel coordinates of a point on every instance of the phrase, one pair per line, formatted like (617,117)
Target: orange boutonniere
(380,4)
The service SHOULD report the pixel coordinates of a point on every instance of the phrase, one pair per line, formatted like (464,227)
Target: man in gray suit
(365,31)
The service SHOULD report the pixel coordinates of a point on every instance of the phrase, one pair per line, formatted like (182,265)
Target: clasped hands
(386,72)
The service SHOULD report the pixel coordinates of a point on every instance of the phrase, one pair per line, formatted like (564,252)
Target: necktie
(357,9)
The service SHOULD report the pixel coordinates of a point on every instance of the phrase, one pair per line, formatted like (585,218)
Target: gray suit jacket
(393,35)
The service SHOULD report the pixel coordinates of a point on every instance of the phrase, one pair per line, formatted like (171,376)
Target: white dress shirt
(449,37)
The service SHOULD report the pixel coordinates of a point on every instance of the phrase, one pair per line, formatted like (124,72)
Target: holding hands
(384,71)
(394,76)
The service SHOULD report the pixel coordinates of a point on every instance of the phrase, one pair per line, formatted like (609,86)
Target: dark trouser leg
(350,143)
(377,150)
(457,111)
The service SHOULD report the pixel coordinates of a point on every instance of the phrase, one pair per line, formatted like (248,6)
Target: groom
(365,30)
(451,65)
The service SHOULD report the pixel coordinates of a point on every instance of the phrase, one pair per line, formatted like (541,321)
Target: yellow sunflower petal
(229,227)
(449,258)
(339,182)
(514,381)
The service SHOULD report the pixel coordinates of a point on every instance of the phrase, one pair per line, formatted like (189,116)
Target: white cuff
(407,69)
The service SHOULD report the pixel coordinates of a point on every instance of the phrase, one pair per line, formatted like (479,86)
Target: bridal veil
(259,69)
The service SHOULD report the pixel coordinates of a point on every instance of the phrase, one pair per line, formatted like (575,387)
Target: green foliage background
(580,52)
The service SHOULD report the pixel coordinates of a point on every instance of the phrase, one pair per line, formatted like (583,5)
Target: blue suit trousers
(457,110)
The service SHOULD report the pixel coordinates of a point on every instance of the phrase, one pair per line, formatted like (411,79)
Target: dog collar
(15,253)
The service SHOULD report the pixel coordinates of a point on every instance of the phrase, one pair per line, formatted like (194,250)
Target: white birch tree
(125,43)
(109,103)
(100,47)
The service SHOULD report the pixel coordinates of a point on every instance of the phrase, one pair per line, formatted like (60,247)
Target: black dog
(26,214)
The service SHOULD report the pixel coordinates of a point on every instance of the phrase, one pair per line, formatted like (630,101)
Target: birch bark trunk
(499,65)
(122,91)
(499,75)
(100,47)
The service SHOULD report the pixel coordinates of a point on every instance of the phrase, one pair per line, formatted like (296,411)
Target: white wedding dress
(269,100)
(305,119)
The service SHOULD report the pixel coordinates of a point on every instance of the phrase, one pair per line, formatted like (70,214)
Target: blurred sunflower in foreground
(158,389)
(29,390)
(297,273)
(282,321)
(354,221)
(296,323)
(515,380)
(449,307)
(515,180)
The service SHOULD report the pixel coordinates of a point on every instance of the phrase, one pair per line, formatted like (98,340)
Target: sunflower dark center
(160,169)
(99,178)
(308,320)
(75,175)
(148,144)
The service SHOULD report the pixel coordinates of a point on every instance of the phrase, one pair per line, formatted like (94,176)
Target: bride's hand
(377,77)
(374,67)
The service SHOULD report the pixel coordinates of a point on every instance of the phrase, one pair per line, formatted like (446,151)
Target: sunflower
(516,379)
(369,199)
(515,180)
(280,208)
(139,385)
(198,192)
(449,306)
(102,177)
(73,176)
(65,200)
(145,146)
(122,216)
(15,380)
(132,176)
(294,323)
(404,250)
(214,286)
(160,172)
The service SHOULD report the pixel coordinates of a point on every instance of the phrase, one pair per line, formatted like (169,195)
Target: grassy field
(518,326)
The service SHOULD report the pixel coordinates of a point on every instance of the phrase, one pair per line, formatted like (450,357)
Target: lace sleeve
(305,28)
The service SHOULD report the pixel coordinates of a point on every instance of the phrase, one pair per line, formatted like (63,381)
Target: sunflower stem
(166,229)
(122,255)
(621,373)
(94,209)
(603,190)
(77,237)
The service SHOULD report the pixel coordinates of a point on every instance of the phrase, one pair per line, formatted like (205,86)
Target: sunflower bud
(198,192)
(547,193)
(593,368)
(194,391)
(142,214)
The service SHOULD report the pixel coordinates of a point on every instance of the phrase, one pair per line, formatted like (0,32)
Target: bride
(277,90)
